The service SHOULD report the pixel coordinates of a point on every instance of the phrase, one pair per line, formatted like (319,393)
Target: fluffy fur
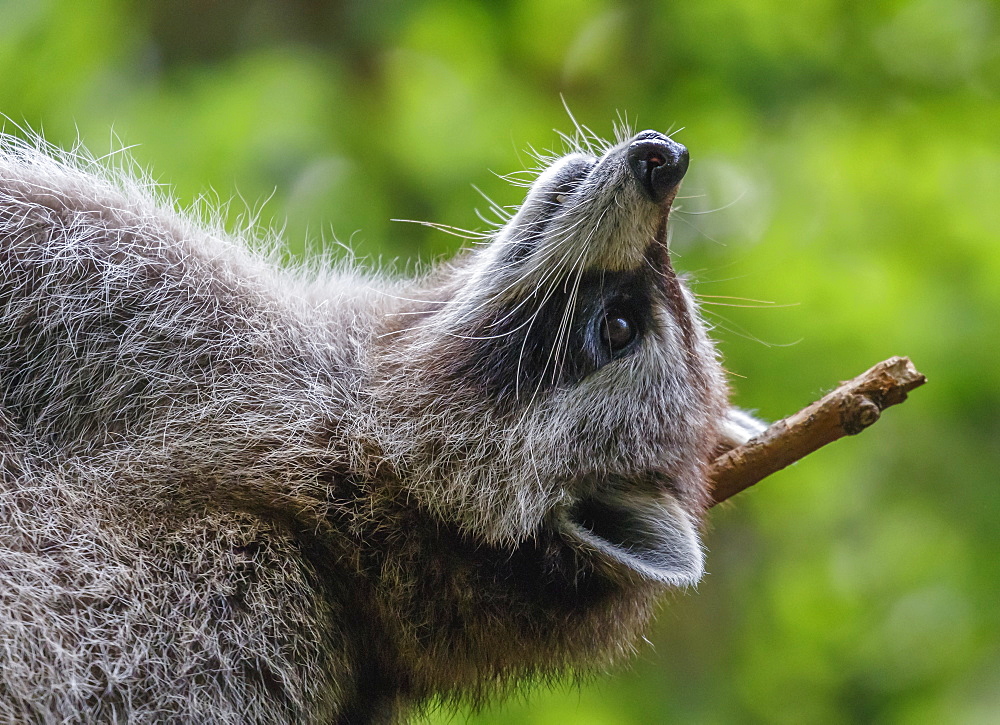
(236,492)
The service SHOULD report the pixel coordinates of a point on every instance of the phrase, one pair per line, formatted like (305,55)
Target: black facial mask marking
(538,344)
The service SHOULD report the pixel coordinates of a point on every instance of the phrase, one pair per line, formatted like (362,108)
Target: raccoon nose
(657,163)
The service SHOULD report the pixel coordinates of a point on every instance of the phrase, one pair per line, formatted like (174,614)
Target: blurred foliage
(845,172)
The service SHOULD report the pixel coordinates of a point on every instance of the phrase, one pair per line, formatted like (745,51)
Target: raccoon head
(559,378)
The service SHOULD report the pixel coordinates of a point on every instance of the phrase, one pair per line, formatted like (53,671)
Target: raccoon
(236,490)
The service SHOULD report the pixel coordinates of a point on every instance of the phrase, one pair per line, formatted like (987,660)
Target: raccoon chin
(642,534)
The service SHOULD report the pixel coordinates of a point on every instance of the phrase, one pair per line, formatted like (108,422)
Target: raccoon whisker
(552,268)
(494,299)
(545,157)
(584,135)
(447,229)
(532,173)
(696,278)
(569,311)
(680,218)
(734,297)
(551,273)
(724,323)
(543,160)
(734,202)
(574,144)
(545,257)
(554,280)
(494,207)
(524,178)
(518,183)
(557,354)
(512,230)
(598,145)
(623,130)
(569,113)
(555,359)
(760,306)
(500,336)
(494,224)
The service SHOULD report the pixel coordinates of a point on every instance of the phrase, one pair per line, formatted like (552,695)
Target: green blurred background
(845,168)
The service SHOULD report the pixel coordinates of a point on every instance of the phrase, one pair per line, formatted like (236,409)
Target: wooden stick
(848,410)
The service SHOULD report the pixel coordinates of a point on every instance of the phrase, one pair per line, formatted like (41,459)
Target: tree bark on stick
(847,410)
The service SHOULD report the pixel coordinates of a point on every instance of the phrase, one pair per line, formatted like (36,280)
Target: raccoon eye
(559,198)
(617,331)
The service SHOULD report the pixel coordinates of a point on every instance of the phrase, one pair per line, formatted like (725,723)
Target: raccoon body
(237,491)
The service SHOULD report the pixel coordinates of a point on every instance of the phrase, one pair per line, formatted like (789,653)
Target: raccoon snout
(657,163)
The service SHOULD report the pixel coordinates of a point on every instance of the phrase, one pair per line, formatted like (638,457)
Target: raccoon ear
(652,537)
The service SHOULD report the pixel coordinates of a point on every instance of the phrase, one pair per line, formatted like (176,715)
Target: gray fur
(238,492)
